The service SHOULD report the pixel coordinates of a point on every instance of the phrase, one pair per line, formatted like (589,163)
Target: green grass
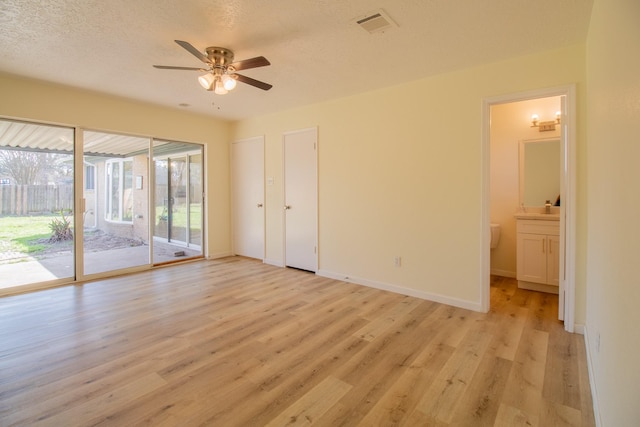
(180,217)
(21,233)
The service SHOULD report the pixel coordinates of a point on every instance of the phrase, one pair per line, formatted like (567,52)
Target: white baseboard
(592,382)
(503,273)
(469,305)
(578,328)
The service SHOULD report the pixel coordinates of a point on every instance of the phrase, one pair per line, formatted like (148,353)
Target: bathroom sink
(538,215)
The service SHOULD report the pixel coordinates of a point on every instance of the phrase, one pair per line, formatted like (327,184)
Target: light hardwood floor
(235,342)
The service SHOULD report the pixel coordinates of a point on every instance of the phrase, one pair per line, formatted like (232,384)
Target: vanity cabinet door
(532,258)
(553,260)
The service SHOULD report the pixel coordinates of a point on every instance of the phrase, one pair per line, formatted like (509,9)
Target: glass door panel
(195,199)
(178,201)
(161,199)
(37,211)
(116,200)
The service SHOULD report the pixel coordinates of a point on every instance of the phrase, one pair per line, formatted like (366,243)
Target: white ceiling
(317,51)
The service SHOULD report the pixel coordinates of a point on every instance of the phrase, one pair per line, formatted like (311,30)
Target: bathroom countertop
(538,216)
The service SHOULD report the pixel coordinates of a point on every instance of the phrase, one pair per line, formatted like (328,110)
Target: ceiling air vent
(376,22)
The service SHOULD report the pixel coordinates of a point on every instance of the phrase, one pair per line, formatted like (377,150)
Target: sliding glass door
(37,211)
(116,201)
(128,202)
(178,201)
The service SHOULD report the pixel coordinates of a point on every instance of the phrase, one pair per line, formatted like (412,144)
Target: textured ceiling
(317,51)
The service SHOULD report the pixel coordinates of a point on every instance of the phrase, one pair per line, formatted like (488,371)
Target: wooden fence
(35,199)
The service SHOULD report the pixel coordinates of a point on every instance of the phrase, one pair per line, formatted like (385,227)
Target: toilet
(495,235)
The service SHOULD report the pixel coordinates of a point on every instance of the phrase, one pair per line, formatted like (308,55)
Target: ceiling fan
(221,75)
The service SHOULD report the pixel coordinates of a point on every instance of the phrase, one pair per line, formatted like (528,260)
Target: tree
(28,167)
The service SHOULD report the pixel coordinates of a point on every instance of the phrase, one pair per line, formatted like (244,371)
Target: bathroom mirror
(539,171)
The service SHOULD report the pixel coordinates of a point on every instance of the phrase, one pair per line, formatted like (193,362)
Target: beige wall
(399,175)
(38,101)
(613,313)
(510,124)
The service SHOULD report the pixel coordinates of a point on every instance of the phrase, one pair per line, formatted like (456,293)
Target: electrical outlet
(397,261)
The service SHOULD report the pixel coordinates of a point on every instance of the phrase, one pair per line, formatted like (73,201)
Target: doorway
(567,194)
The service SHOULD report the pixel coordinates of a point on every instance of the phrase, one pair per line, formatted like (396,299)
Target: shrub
(60,229)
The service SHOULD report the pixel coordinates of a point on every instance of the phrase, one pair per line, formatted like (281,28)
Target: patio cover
(17,135)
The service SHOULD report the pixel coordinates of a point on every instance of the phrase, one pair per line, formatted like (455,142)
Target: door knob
(287,207)
(259,205)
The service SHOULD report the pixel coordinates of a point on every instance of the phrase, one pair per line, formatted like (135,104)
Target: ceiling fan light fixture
(229,82)
(221,74)
(206,81)
(218,87)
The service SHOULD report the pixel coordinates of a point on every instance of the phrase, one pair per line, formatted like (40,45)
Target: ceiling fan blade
(258,61)
(253,82)
(195,52)
(170,67)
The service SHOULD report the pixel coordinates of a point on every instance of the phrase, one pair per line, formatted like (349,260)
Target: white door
(301,199)
(565,190)
(247,194)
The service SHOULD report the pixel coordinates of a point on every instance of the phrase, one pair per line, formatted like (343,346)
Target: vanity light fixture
(545,126)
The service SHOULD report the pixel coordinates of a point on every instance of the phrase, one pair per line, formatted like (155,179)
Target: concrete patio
(56,267)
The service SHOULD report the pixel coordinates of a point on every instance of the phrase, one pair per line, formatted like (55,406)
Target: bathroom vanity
(538,251)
